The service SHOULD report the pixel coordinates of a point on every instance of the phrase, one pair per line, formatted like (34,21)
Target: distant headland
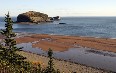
(35,17)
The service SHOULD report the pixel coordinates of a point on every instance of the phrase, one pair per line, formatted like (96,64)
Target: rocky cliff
(33,17)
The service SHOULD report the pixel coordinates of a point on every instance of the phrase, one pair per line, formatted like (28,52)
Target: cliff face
(32,16)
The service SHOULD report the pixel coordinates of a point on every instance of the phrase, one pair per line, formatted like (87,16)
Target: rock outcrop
(55,18)
(33,17)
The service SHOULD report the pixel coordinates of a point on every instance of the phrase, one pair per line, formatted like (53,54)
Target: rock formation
(55,18)
(33,17)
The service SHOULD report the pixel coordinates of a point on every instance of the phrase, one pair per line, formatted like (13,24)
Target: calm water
(75,26)
(95,58)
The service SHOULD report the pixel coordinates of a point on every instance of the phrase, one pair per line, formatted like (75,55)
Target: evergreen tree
(8,48)
(50,68)
(50,63)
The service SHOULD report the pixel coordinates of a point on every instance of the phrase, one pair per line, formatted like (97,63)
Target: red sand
(62,43)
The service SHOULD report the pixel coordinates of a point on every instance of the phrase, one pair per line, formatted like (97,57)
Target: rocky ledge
(33,17)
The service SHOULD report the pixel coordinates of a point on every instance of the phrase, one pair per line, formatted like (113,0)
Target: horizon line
(73,16)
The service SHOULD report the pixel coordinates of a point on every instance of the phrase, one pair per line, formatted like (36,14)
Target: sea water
(104,27)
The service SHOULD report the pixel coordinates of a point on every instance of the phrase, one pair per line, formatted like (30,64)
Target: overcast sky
(60,7)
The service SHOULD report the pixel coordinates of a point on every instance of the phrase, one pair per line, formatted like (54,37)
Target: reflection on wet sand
(74,49)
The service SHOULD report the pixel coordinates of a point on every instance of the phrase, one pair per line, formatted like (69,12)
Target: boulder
(55,18)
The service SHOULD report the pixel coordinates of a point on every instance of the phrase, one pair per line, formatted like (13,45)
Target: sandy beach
(63,66)
(63,43)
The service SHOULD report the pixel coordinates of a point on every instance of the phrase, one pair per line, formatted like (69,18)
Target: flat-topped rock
(33,17)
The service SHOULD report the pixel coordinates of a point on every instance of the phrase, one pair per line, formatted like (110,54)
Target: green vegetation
(11,62)
(50,68)
(9,58)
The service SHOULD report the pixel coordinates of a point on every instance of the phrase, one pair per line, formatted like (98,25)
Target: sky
(60,7)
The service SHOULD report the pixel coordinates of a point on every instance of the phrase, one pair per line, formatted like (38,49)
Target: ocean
(104,27)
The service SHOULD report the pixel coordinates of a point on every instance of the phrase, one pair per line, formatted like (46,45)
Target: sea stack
(33,17)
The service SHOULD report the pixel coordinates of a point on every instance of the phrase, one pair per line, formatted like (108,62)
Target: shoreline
(29,34)
(65,35)
(58,59)
(63,43)
(62,65)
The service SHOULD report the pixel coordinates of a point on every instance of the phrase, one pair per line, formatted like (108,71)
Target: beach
(63,43)
(63,66)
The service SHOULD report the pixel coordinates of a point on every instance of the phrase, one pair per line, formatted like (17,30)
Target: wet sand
(63,66)
(63,43)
